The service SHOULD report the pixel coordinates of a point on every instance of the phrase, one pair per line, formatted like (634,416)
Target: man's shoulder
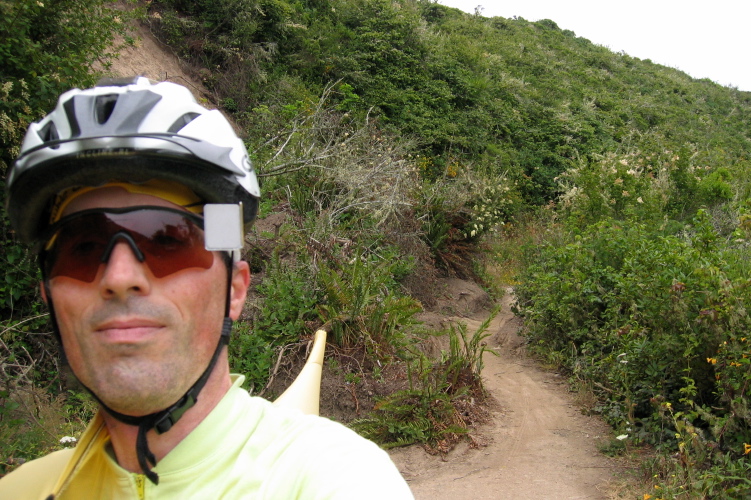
(37,478)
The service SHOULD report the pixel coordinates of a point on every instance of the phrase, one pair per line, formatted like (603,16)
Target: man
(138,199)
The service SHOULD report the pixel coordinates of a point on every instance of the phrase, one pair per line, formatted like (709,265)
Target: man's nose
(125,271)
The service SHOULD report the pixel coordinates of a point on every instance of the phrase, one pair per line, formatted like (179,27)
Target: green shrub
(630,309)
(657,324)
(290,299)
(251,355)
(428,411)
(411,416)
(642,185)
(363,302)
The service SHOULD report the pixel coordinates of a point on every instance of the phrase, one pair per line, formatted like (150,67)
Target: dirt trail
(539,445)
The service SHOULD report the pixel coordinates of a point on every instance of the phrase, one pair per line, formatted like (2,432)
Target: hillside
(527,100)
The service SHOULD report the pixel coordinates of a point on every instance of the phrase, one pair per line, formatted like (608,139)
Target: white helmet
(130,131)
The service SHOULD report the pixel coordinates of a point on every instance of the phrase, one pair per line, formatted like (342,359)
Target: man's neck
(123,436)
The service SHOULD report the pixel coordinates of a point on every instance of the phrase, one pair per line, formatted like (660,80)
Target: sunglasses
(167,240)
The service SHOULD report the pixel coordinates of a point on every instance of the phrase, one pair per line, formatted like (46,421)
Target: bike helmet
(128,131)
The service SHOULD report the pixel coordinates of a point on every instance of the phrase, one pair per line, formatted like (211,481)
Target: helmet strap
(161,421)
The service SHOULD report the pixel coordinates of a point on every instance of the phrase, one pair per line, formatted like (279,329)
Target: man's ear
(43,290)
(240,283)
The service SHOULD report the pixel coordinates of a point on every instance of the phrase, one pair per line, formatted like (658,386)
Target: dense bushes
(639,289)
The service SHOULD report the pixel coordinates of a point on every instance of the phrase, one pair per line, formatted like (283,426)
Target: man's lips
(128,331)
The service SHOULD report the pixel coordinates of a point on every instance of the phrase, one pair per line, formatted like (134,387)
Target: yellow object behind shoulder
(35,480)
(305,391)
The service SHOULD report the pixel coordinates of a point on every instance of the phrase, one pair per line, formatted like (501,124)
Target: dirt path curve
(539,445)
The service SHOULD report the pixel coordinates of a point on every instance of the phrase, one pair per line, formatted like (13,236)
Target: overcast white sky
(704,38)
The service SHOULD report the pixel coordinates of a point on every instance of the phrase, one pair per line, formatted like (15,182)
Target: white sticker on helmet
(223,226)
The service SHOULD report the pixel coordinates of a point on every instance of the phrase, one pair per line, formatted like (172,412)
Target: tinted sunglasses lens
(170,242)
(78,249)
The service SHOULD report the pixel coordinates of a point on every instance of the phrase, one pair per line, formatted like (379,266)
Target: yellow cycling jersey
(245,448)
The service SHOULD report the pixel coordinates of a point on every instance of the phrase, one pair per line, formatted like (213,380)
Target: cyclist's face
(138,341)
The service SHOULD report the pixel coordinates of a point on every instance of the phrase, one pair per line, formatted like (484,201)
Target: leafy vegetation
(650,311)
(436,408)
(402,138)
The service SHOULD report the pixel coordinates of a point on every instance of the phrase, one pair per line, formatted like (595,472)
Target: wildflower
(712,360)
(639,200)
(746,448)
(621,437)
(618,181)
(625,194)
(646,496)
(68,440)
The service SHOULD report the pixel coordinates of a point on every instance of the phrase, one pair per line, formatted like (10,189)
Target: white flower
(621,437)
(68,440)
(639,200)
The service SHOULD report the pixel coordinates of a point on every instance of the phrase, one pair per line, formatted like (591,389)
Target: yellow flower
(746,448)
(712,360)
(646,496)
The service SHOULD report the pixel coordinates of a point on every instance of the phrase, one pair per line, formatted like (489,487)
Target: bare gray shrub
(368,171)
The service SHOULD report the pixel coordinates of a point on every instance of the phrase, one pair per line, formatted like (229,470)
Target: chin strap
(163,420)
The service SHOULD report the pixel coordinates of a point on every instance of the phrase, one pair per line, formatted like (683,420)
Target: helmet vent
(181,122)
(49,132)
(105,105)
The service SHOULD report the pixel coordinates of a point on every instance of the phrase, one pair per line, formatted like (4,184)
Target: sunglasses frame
(47,238)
